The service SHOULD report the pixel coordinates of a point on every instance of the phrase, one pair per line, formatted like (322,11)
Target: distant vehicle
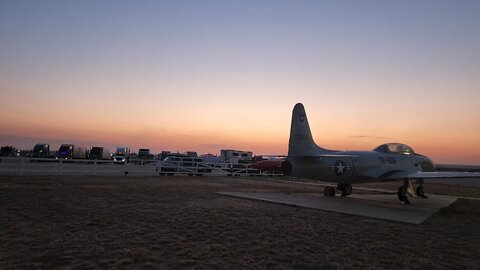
(274,166)
(9,151)
(268,163)
(267,157)
(41,150)
(25,153)
(163,155)
(122,154)
(71,151)
(99,153)
(211,158)
(144,153)
(183,164)
(166,154)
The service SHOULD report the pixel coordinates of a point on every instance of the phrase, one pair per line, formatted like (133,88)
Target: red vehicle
(273,166)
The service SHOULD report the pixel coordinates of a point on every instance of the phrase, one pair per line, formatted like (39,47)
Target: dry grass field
(86,222)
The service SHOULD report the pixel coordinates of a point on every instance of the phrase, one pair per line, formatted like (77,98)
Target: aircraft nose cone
(286,168)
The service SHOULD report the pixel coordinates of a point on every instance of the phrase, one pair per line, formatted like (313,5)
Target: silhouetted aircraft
(387,162)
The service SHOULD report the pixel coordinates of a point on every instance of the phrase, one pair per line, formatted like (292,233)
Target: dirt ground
(86,222)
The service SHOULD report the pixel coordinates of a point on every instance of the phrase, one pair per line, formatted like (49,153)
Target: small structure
(236,156)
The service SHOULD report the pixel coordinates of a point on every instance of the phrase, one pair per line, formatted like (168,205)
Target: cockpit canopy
(395,148)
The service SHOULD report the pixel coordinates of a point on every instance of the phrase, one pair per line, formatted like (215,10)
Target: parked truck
(9,151)
(144,153)
(41,150)
(99,153)
(122,154)
(71,151)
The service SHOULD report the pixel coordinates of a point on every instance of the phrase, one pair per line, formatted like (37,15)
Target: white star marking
(340,168)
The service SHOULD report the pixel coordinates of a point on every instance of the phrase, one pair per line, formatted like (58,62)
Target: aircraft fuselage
(356,166)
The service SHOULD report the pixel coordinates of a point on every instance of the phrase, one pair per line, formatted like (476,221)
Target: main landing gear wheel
(346,189)
(402,195)
(329,191)
(420,193)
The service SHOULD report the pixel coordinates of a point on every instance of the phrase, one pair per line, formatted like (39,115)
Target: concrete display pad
(386,207)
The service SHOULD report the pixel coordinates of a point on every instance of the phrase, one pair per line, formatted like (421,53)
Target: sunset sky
(211,75)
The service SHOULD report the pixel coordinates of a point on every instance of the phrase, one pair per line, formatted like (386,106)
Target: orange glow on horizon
(449,146)
(446,136)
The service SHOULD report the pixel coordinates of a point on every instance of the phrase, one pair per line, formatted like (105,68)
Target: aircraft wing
(338,156)
(426,175)
(327,156)
(457,168)
(405,174)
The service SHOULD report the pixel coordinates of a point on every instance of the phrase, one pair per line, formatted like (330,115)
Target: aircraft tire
(347,190)
(399,194)
(329,191)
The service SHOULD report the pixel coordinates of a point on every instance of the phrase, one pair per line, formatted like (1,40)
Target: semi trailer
(99,153)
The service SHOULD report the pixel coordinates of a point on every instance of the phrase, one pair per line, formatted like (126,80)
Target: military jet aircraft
(387,162)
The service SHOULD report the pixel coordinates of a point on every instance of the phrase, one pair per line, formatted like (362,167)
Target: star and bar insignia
(340,167)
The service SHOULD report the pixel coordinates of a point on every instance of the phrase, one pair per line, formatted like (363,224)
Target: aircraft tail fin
(301,142)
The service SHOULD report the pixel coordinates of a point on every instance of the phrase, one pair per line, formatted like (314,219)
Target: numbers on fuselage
(387,160)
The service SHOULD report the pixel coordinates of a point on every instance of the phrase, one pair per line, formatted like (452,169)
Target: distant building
(236,156)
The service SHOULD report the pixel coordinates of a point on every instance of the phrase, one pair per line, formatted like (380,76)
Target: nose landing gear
(420,193)
(406,188)
(402,192)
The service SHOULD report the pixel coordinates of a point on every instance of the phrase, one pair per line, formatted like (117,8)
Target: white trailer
(236,156)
